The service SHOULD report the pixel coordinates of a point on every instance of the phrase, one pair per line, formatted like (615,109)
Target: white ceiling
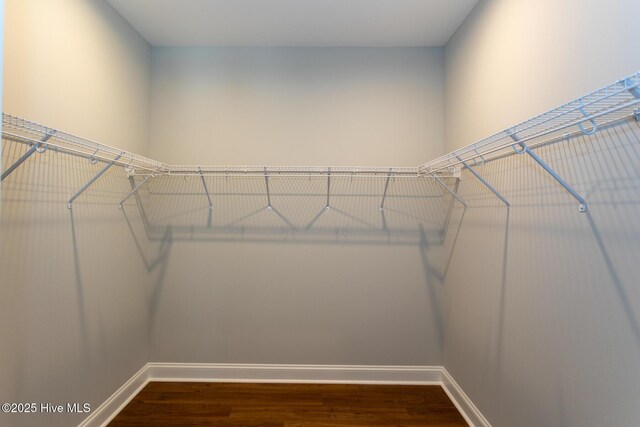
(295,22)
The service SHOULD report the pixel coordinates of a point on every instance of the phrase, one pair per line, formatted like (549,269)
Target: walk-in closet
(320,213)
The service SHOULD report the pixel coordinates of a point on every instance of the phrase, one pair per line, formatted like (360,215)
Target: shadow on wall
(73,301)
(307,210)
(538,298)
(336,210)
(98,245)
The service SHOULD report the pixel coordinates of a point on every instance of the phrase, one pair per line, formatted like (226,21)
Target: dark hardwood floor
(249,405)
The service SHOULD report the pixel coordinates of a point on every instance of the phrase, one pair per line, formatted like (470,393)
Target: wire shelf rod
(451,162)
(613,98)
(55,147)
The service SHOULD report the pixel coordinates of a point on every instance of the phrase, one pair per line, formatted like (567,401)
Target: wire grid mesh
(599,167)
(29,132)
(304,171)
(52,177)
(604,106)
(303,207)
(597,110)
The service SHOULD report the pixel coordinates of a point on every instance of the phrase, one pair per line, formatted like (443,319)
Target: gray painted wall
(541,306)
(305,106)
(514,59)
(540,317)
(342,292)
(74,305)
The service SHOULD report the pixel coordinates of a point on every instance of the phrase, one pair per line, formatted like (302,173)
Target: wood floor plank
(288,405)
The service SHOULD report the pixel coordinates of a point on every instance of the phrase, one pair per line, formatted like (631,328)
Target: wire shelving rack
(587,114)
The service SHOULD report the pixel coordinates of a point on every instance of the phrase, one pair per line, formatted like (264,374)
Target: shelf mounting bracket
(485,183)
(137,187)
(327,207)
(446,187)
(25,156)
(525,149)
(633,89)
(206,189)
(92,180)
(386,187)
(266,181)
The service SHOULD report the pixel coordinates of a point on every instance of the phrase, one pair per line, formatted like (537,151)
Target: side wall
(293,299)
(74,306)
(513,59)
(541,306)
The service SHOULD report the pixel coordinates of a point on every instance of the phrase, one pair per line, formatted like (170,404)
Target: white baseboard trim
(215,372)
(469,411)
(104,413)
(313,374)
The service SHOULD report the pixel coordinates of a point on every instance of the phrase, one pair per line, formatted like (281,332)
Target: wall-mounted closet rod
(34,147)
(553,140)
(50,146)
(304,172)
(452,163)
(80,145)
(617,99)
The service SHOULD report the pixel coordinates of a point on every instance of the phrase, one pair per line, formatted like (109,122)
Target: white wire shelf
(292,171)
(32,133)
(587,114)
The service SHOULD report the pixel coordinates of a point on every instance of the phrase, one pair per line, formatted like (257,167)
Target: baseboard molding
(469,411)
(319,374)
(104,413)
(214,372)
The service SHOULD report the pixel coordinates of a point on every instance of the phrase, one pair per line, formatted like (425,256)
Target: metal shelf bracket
(525,149)
(485,183)
(446,187)
(328,206)
(206,190)
(35,147)
(633,89)
(386,187)
(92,180)
(135,190)
(266,181)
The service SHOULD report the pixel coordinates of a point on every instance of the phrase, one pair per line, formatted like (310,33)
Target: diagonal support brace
(386,187)
(327,207)
(446,187)
(135,190)
(206,189)
(91,181)
(525,149)
(266,182)
(25,156)
(485,183)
